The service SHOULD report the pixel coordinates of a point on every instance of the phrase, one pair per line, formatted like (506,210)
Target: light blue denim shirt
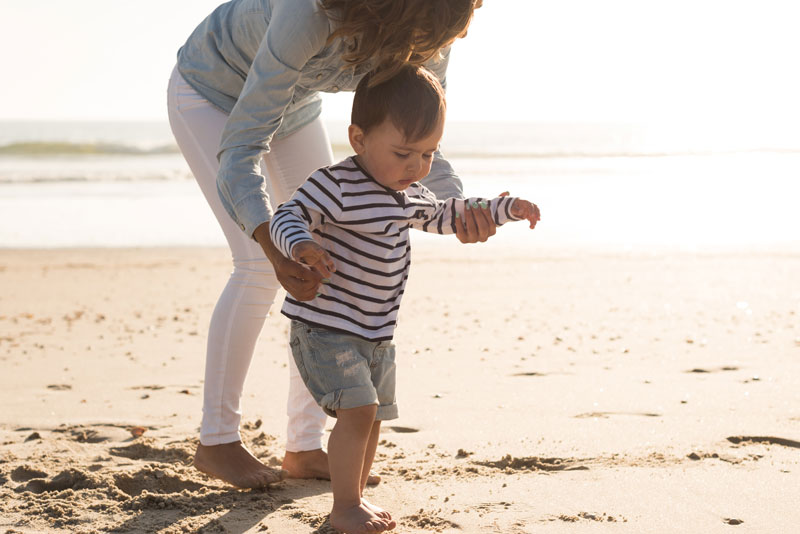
(264,62)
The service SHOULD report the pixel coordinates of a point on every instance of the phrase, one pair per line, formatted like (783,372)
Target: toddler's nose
(416,168)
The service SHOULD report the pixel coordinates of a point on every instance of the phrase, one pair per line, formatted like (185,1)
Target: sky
(724,62)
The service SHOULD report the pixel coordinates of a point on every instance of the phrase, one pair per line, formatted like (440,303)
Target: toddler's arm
(443,219)
(309,208)
(290,225)
(290,230)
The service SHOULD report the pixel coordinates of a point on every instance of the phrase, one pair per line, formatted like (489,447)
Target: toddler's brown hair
(413,99)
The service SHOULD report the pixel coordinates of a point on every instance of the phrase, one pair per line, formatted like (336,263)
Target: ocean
(613,186)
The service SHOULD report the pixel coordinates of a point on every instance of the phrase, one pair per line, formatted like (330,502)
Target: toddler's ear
(356,136)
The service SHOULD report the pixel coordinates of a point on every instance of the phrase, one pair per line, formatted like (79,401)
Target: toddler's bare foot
(233,463)
(313,464)
(358,520)
(380,512)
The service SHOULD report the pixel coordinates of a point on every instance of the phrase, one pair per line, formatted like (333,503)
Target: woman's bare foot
(358,520)
(380,512)
(313,464)
(233,463)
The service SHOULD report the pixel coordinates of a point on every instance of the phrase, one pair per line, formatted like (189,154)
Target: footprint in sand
(94,433)
(24,473)
(700,370)
(587,516)
(145,451)
(402,429)
(606,415)
(771,440)
(492,506)
(534,463)
(696,457)
(427,521)
(153,481)
(67,479)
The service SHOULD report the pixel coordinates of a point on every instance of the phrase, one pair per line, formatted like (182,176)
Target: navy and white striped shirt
(364,226)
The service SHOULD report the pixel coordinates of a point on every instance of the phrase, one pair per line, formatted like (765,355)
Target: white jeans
(243,306)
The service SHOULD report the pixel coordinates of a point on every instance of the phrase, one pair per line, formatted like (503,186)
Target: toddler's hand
(522,209)
(313,255)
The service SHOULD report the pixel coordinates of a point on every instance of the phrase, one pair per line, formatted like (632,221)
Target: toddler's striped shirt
(364,227)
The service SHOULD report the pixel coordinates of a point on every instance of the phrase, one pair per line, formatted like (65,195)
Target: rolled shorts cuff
(387,412)
(345,399)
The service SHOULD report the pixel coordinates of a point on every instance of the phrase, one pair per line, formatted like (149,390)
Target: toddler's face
(392,160)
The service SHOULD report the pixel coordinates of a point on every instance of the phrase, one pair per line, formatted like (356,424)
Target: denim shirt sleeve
(296,32)
(442,180)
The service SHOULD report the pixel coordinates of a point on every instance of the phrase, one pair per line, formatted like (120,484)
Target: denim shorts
(343,371)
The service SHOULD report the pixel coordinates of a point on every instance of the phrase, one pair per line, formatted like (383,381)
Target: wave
(611,155)
(55,148)
(497,152)
(47,149)
(106,178)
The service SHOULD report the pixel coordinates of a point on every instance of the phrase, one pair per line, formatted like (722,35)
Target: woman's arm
(297,31)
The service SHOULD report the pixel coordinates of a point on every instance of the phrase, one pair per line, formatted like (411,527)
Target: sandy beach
(632,366)
(539,391)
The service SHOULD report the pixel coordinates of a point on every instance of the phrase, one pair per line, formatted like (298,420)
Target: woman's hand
(476,225)
(298,280)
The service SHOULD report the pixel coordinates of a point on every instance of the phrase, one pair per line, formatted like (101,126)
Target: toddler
(350,222)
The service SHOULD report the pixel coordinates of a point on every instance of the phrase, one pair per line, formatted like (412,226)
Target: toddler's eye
(400,155)
(427,156)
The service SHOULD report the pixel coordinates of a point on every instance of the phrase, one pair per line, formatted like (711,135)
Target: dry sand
(540,392)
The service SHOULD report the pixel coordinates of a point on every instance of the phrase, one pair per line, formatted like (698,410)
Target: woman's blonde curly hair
(398,32)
